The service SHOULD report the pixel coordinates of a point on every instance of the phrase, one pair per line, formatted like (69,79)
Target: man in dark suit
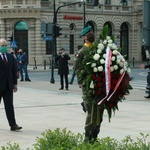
(8,83)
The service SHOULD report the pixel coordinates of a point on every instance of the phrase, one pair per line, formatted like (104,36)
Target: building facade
(22,21)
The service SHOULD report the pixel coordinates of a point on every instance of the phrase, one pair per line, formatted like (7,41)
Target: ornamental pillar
(2,28)
(38,37)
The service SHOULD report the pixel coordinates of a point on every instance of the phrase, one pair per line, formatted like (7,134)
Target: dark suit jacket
(8,76)
(63,68)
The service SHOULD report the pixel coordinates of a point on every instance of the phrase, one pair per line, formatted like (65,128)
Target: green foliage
(104,32)
(10,146)
(66,140)
(57,140)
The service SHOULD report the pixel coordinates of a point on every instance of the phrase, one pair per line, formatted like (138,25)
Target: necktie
(4,59)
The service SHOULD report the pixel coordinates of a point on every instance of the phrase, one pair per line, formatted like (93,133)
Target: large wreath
(107,73)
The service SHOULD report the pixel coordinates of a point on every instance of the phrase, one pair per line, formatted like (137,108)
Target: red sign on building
(67,17)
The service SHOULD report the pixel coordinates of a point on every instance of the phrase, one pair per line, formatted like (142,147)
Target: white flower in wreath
(110,41)
(126,64)
(114,46)
(113,58)
(100,68)
(121,71)
(96,56)
(100,46)
(92,85)
(108,38)
(105,42)
(121,64)
(118,61)
(128,70)
(99,51)
(111,69)
(115,67)
(102,61)
(115,52)
(104,55)
(95,69)
(110,45)
(93,65)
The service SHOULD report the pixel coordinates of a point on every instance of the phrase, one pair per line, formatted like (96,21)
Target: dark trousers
(93,121)
(7,96)
(23,68)
(62,81)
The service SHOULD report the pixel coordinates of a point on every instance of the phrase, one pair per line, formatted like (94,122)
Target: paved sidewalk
(40,105)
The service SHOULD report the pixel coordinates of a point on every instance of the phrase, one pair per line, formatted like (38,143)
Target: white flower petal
(95,69)
(100,68)
(96,56)
(93,65)
(92,85)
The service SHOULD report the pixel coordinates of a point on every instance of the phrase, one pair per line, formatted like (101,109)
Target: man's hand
(15,88)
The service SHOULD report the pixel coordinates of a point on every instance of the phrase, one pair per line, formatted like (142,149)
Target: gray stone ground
(40,105)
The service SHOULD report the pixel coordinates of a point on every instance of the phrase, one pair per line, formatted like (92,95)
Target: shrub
(66,140)
(57,140)
(10,146)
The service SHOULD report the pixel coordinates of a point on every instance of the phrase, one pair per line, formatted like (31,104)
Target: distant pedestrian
(22,63)
(8,83)
(145,67)
(63,68)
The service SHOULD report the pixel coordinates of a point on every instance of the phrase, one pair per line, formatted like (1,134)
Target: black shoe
(21,80)
(67,89)
(83,107)
(147,96)
(15,128)
(60,88)
(70,83)
(28,80)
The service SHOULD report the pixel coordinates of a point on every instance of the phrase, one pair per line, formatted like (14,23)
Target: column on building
(31,41)
(2,28)
(38,47)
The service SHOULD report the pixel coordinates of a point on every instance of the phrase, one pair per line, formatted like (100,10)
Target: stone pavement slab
(40,106)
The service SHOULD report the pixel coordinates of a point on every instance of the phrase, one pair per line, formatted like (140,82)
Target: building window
(109,28)
(19,2)
(124,39)
(71,44)
(124,2)
(89,23)
(21,26)
(107,2)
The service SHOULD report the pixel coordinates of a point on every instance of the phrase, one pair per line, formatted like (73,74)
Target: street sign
(13,44)
(47,38)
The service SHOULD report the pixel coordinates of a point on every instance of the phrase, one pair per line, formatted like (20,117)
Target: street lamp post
(54,41)
(53,44)
(84,13)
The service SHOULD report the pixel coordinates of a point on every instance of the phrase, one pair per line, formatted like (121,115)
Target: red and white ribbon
(108,75)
